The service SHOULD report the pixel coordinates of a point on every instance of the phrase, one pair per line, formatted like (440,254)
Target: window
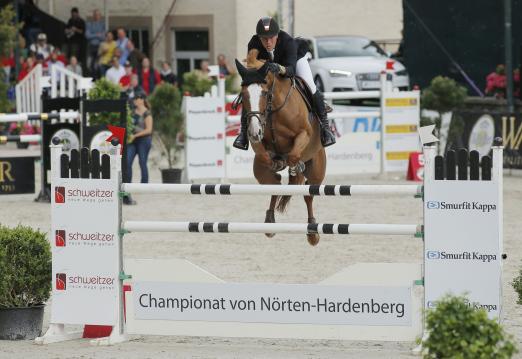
(190,48)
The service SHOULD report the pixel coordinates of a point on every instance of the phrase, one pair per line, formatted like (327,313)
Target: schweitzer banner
(16,175)
(481,128)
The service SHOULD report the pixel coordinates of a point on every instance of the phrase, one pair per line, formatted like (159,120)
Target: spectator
(40,60)
(203,67)
(7,63)
(166,73)
(75,34)
(224,67)
(106,52)
(125,79)
(95,34)
(26,67)
(54,62)
(141,140)
(122,45)
(115,73)
(74,66)
(135,56)
(42,47)
(148,76)
(134,89)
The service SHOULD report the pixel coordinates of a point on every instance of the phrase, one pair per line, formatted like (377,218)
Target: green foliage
(457,330)
(8,30)
(168,119)
(231,84)
(25,267)
(103,89)
(443,95)
(196,83)
(517,286)
(5,104)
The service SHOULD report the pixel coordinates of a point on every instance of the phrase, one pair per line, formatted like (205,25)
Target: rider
(286,57)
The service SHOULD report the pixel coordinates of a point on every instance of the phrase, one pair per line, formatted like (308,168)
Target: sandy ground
(254,258)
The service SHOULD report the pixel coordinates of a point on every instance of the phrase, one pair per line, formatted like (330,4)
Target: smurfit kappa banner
(85,260)
(463,252)
(205,137)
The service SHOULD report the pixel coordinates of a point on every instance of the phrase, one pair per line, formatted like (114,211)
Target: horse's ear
(263,69)
(242,70)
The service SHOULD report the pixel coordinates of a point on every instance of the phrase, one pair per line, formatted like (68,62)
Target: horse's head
(254,88)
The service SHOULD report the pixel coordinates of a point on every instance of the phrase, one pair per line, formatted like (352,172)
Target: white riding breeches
(302,69)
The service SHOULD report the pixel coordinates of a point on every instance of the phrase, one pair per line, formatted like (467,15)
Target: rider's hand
(275,68)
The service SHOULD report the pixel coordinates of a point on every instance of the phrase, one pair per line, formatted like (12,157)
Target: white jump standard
(461,229)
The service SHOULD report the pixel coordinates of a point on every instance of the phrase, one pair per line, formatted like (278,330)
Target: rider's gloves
(276,68)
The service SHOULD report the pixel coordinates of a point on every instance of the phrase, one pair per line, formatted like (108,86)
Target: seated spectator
(26,67)
(42,47)
(135,56)
(166,73)
(134,88)
(224,67)
(125,79)
(148,76)
(54,62)
(115,73)
(74,66)
(40,60)
(75,34)
(106,52)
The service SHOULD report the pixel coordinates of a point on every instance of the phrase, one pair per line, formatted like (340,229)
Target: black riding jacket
(286,52)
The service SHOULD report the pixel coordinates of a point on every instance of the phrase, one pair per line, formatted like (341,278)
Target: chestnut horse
(282,133)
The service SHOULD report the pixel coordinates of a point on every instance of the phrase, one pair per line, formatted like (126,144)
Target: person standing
(75,35)
(224,67)
(122,43)
(95,34)
(116,72)
(148,76)
(105,53)
(140,141)
(166,73)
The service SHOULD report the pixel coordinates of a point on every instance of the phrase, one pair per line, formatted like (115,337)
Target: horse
(282,132)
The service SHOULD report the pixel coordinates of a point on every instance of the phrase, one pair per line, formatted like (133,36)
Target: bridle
(265,116)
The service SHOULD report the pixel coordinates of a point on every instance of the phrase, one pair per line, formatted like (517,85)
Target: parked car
(351,63)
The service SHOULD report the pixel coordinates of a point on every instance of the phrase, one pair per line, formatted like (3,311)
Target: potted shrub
(444,95)
(25,281)
(165,104)
(196,83)
(457,330)
(103,89)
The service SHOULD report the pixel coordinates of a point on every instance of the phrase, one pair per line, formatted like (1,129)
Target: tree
(8,33)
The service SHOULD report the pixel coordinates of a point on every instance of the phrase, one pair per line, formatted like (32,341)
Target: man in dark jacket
(286,57)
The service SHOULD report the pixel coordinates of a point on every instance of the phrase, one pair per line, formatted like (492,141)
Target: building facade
(185,32)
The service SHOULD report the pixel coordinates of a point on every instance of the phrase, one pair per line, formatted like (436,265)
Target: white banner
(85,260)
(205,137)
(462,242)
(401,112)
(273,303)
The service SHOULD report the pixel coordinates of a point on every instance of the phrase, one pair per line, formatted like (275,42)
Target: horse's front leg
(262,155)
(300,143)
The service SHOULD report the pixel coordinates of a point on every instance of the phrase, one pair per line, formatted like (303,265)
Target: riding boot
(327,136)
(241,141)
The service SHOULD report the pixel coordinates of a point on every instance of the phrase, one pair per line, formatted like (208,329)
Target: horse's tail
(282,201)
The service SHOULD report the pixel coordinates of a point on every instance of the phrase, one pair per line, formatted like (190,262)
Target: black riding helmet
(267,27)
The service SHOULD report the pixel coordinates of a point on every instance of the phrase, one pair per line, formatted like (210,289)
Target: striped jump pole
(281,190)
(22,117)
(20,138)
(296,228)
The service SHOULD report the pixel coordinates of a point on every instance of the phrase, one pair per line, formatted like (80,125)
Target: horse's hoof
(269,218)
(313,239)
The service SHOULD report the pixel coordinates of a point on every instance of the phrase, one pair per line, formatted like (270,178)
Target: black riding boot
(241,141)
(327,136)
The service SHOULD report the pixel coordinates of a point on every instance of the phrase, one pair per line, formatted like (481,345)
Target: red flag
(117,132)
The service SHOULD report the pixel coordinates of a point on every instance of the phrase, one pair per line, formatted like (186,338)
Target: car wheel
(319,83)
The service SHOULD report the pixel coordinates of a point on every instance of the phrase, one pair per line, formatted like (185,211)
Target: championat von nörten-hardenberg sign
(462,247)
(273,303)
(85,260)
(401,116)
(205,137)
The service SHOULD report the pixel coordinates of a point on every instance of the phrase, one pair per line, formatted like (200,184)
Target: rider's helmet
(267,27)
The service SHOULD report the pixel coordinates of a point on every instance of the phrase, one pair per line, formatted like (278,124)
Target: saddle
(306,94)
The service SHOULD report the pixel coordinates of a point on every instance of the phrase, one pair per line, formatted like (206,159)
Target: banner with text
(273,303)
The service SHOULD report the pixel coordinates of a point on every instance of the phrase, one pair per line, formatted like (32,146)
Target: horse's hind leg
(266,176)
(314,173)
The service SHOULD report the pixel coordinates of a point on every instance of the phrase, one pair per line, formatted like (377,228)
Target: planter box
(21,323)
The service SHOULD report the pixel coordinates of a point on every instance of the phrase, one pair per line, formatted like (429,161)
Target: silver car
(351,63)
